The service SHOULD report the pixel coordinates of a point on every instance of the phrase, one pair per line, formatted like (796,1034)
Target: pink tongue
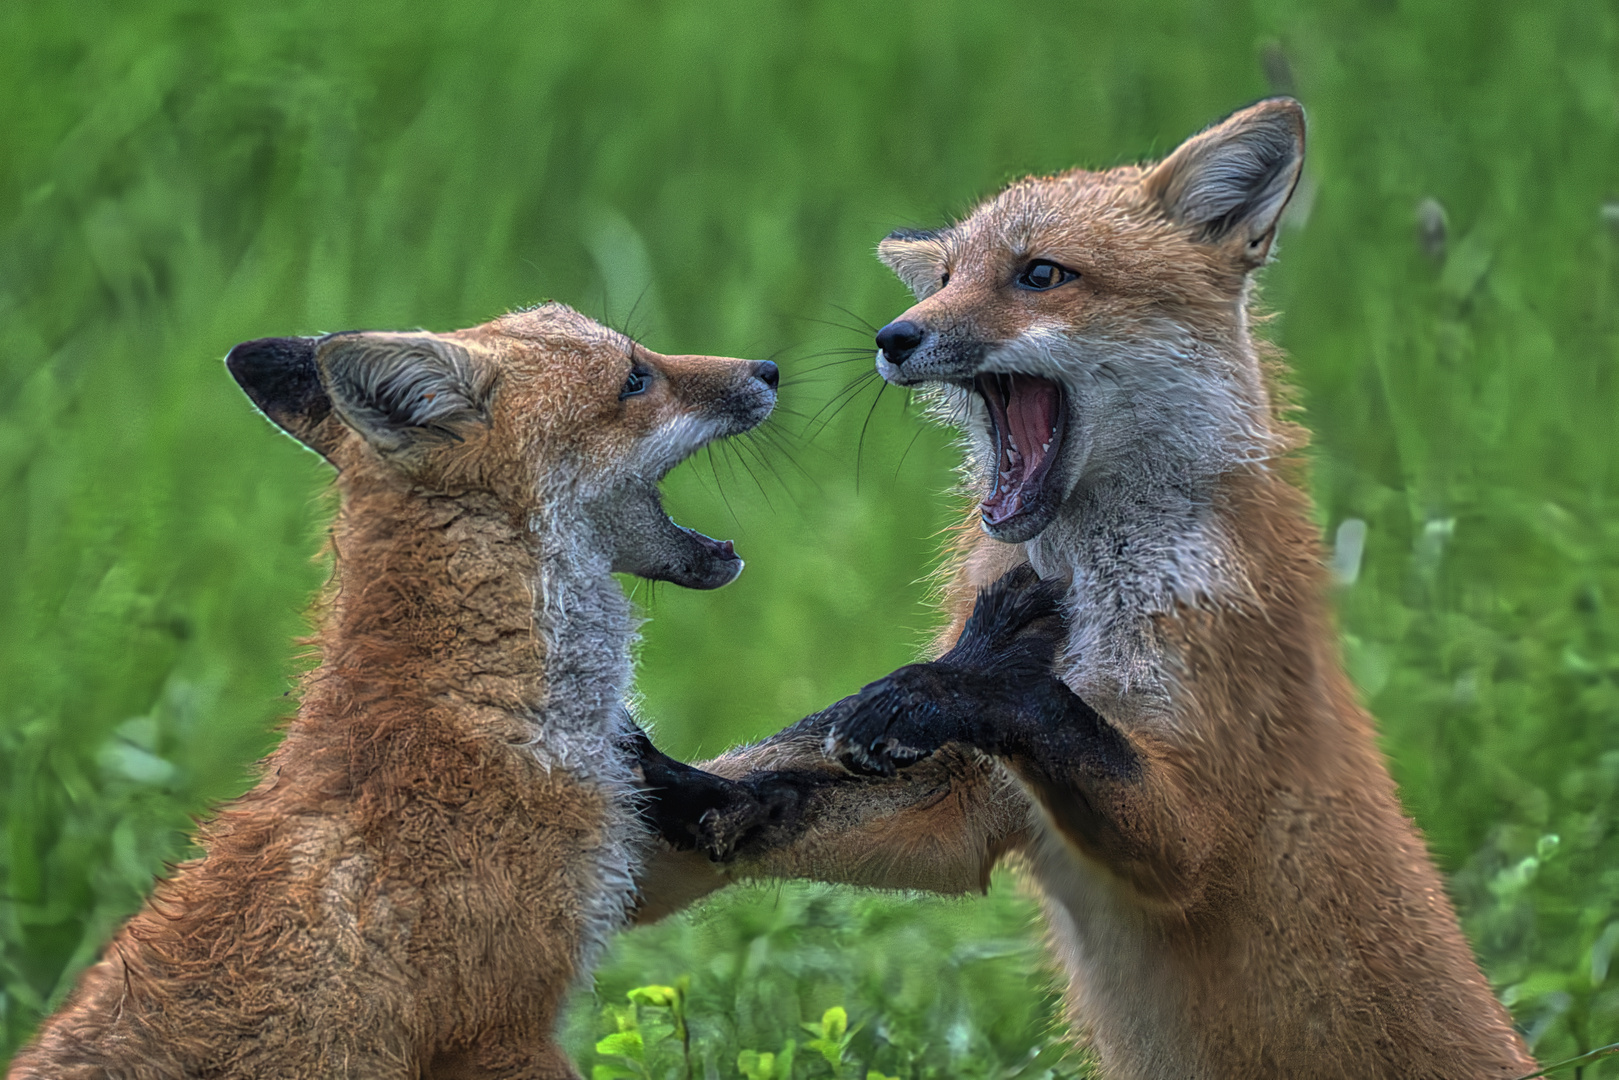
(1031,413)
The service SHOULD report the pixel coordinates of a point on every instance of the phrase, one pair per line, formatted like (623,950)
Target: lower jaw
(1022,526)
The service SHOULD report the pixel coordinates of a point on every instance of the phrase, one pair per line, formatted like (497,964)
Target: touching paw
(691,809)
(762,812)
(1001,664)
(892,723)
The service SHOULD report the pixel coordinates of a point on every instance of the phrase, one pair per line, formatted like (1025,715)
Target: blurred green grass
(180,176)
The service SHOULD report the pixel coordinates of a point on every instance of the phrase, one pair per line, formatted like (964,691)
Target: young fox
(450,828)
(1230,884)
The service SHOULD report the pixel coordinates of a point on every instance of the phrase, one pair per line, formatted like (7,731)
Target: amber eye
(637,383)
(1041,275)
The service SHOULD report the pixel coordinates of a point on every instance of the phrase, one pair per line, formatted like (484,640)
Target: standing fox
(1231,887)
(450,828)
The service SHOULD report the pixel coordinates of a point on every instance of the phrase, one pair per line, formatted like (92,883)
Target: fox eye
(944,279)
(1043,274)
(637,383)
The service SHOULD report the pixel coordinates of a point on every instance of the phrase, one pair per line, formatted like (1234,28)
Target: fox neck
(1142,533)
(450,596)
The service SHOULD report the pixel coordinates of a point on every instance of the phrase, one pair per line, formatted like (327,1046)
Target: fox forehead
(559,369)
(1070,210)
(1104,225)
(554,330)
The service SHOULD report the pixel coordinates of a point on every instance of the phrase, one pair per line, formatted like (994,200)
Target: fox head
(558,417)
(1095,322)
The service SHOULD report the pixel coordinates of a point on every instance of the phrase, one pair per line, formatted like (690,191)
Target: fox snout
(898,340)
(935,343)
(753,399)
(700,399)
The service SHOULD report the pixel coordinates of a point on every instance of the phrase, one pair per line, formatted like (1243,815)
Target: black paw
(1016,629)
(894,722)
(1000,666)
(764,811)
(693,810)
(676,798)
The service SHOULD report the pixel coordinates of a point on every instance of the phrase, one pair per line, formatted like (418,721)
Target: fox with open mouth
(1231,887)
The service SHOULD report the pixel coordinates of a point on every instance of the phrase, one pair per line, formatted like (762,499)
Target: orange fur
(445,833)
(1255,904)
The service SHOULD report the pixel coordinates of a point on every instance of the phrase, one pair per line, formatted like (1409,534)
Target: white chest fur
(587,630)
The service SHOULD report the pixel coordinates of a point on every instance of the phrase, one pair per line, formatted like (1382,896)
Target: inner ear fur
(397,390)
(916,258)
(1231,182)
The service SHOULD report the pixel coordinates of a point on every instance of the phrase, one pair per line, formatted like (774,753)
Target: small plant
(832,1037)
(766,1066)
(654,1016)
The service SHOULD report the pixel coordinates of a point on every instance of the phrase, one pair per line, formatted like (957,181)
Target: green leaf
(658,997)
(1602,953)
(131,762)
(623,1044)
(756,1066)
(834,1022)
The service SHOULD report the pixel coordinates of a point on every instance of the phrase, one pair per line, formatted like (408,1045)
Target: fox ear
(401,390)
(917,258)
(1231,182)
(280,375)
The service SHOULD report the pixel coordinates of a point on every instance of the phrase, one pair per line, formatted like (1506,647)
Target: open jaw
(1027,420)
(712,562)
(650,544)
(645,541)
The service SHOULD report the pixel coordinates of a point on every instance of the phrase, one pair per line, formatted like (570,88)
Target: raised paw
(1000,667)
(1016,629)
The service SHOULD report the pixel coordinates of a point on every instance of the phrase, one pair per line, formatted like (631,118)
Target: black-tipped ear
(400,389)
(1232,181)
(280,375)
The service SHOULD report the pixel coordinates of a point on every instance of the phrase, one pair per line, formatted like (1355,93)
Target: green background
(176,177)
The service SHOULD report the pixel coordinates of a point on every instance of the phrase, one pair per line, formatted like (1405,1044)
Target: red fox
(1230,884)
(451,827)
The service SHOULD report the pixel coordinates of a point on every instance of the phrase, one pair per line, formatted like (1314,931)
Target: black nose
(767,373)
(898,340)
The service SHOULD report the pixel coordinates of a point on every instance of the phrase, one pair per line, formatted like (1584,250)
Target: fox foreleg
(784,808)
(994,692)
